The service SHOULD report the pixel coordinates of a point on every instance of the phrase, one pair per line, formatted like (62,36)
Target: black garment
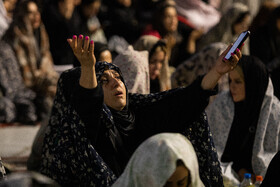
(165,115)
(59,30)
(179,53)
(240,142)
(69,155)
(242,133)
(122,21)
(265,44)
(154,86)
(273,172)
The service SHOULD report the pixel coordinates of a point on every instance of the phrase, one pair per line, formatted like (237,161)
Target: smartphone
(239,41)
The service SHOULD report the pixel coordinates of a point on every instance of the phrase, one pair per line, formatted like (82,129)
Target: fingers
(72,42)
(227,50)
(238,53)
(86,43)
(80,42)
(91,46)
(241,47)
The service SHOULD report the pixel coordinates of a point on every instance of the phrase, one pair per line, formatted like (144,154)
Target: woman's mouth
(118,93)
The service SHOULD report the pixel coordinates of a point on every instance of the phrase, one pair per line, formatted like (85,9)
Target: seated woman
(29,40)
(17,102)
(245,121)
(159,70)
(96,125)
(148,167)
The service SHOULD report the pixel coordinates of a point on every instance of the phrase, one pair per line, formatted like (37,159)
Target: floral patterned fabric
(2,170)
(199,64)
(135,69)
(69,158)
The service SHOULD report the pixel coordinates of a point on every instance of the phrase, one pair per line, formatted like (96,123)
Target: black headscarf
(242,133)
(124,119)
(122,122)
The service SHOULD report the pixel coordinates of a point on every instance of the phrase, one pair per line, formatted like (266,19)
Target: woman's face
(237,85)
(170,20)
(180,178)
(155,63)
(126,3)
(243,25)
(114,90)
(92,9)
(34,15)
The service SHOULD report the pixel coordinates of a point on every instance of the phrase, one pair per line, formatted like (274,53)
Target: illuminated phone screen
(242,37)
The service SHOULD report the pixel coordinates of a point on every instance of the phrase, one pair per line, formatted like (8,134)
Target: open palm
(83,49)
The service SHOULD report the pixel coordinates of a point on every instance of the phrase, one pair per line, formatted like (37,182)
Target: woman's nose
(114,82)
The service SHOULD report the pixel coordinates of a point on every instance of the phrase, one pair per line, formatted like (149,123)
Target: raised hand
(83,49)
(223,66)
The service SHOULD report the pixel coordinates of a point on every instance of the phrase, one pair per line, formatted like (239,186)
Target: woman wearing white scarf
(246,132)
(154,162)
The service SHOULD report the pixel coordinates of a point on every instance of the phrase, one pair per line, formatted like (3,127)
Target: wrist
(216,74)
(88,77)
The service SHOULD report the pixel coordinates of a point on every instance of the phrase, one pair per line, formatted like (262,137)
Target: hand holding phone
(237,44)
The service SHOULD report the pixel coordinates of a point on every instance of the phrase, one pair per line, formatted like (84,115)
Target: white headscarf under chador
(154,161)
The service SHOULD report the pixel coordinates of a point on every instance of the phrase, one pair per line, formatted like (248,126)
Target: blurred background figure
(164,24)
(102,52)
(62,21)
(147,166)
(17,102)
(263,15)
(265,44)
(198,65)
(135,70)
(159,69)
(6,14)
(90,25)
(253,5)
(245,121)
(29,40)
(199,13)
(121,20)
(178,32)
(236,20)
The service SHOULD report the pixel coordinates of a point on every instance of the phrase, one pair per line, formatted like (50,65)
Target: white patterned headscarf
(135,69)
(154,161)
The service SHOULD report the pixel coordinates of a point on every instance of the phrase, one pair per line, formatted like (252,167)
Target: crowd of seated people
(103,76)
